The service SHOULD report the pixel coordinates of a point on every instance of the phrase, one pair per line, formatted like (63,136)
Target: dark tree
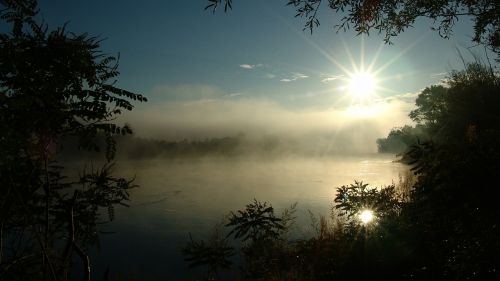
(453,204)
(53,85)
(431,105)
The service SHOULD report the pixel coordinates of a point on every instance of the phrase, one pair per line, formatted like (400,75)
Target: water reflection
(190,196)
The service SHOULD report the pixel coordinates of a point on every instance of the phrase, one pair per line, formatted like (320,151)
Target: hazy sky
(254,68)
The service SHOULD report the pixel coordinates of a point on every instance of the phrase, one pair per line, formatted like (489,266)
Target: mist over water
(332,127)
(192,195)
(195,161)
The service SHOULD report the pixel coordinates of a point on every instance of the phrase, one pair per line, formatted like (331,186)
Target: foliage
(262,232)
(431,105)
(214,254)
(400,139)
(352,199)
(457,167)
(288,217)
(335,252)
(393,17)
(53,84)
(63,79)
(214,4)
(457,175)
(257,222)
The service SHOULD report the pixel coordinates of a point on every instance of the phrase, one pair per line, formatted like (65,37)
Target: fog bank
(346,129)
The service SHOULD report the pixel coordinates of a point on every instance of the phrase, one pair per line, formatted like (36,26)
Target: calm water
(176,198)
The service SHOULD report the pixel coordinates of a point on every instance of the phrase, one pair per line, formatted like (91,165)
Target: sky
(254,70)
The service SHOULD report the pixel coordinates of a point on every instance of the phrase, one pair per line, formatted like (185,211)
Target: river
(178,197)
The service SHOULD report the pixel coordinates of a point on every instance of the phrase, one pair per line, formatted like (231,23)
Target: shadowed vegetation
(342,248)
(53,85)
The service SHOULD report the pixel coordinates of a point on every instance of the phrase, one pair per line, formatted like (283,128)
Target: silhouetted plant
(451,207)
(288,217)
(256,222)
(353,198)
(53,84)
(457,174)
(335,252)
(214,254)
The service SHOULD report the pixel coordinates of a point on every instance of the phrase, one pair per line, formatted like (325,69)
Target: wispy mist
(199,112)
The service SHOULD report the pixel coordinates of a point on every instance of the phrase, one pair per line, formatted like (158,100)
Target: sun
(361,86)
(366,216)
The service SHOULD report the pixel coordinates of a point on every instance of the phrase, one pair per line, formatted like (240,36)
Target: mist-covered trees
(53,84)
(393,17)
(400,139)
(432,106)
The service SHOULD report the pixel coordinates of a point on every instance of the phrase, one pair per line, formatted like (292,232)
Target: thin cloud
(300,76)
(331,78)
(247,66)
(439,74)
(405,97)
(232,95)
(295,76)
(252,66)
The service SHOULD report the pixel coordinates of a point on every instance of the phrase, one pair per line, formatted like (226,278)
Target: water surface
(178,197)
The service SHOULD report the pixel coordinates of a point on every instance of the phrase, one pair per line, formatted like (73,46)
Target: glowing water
(176,198)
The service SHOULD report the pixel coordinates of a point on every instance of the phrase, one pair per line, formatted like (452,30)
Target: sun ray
(400,54)
(359,89)
(300,33)
(375,57)
(353,63)
(362,53)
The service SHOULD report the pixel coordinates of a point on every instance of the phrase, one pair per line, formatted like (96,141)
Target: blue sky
(257,55)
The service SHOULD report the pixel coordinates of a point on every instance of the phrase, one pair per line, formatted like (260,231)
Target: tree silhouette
(53,85)
(453,200)
(431,105)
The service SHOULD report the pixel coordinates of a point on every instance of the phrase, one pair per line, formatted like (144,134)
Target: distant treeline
(239,145)
(136,148)
(132,147)
(400,139)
